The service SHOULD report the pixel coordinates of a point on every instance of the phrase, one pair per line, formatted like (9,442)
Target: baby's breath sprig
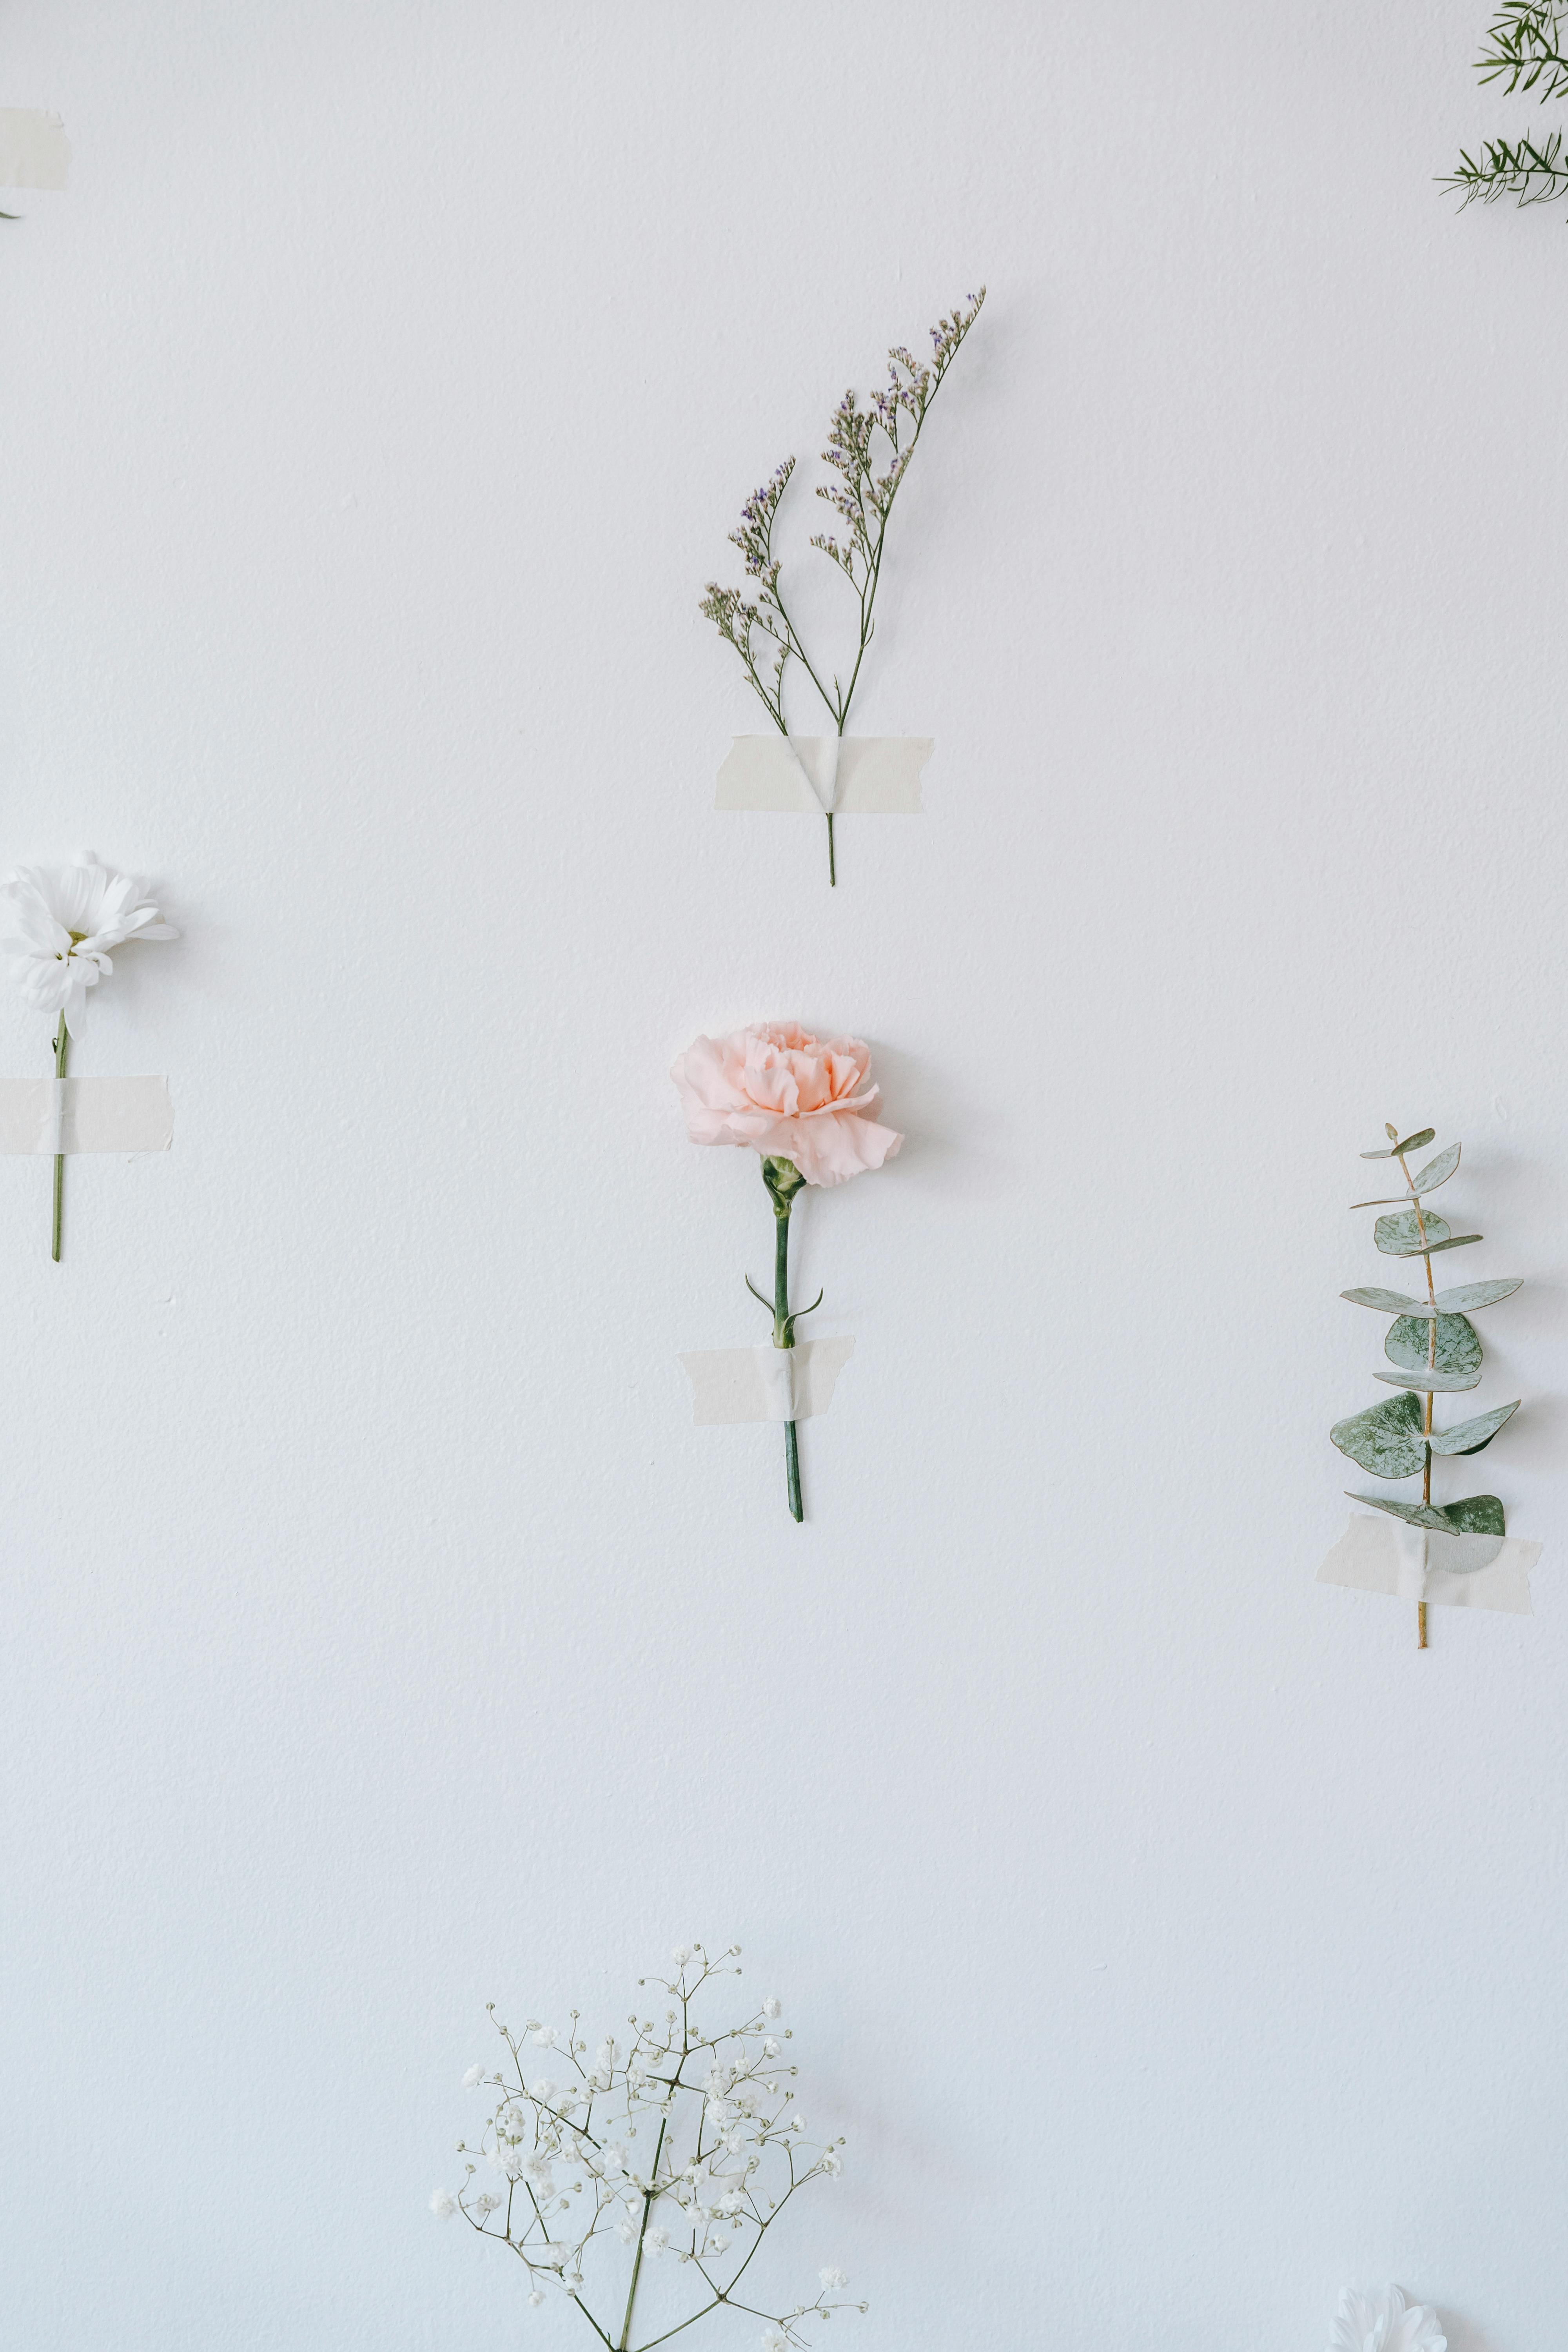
(868,448)
(729,2151)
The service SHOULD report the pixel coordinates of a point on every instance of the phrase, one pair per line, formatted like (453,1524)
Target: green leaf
(1377,1155)
(1458,1343)
(1402,1236)
(1437,1171)
(1425,1383)
(1478,1514)
(1413,1142)
(1419,1515)
(1455,1241)
(1386,1439)
(1387,1302)
(1471,1295)
(1472,1436)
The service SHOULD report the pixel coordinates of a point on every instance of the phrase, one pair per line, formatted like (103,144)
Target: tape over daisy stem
(58,925)
(1433,1349)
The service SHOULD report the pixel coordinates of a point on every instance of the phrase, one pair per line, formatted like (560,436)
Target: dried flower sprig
(729,2150)
(870,449)
(1525,50)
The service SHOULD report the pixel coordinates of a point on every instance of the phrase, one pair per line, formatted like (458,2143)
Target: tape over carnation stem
(783,1180)
(804,1105)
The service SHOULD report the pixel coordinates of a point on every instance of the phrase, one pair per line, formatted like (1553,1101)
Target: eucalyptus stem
(1431,1361)
(62,1045)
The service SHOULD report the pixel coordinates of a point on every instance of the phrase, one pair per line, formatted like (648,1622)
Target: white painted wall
(1173,1943)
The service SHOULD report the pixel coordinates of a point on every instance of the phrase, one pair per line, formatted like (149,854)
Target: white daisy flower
(1385,2323)
(58,924)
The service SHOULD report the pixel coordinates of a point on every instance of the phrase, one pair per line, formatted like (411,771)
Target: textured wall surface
(1173,1943)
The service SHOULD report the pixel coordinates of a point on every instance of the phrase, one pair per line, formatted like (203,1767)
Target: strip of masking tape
(68,1115)
(1472,1571)
(811,775)
(730,1384)
(34,150)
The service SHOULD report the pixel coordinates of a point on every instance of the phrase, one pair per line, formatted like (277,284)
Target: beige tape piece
(857,775)
(50,1114)
(1384,1555)
(730,1384)
(34,150)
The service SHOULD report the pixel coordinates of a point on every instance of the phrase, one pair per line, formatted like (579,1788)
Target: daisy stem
(62,1044)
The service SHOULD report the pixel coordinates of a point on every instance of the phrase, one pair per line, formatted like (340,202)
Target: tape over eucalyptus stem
(1433,1349)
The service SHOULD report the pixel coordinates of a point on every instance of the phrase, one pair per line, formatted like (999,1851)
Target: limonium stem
(785,1337)
(62,1044)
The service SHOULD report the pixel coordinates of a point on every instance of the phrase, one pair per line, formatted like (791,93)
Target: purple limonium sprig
(868,450)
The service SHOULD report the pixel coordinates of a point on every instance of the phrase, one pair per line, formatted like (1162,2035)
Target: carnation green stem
(62,1044)
(785,1337)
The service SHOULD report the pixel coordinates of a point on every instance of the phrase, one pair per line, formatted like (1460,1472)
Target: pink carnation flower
(789,1095)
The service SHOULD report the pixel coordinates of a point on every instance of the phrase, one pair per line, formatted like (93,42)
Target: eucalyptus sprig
(1525,51)
(869,449)
(1433,1349)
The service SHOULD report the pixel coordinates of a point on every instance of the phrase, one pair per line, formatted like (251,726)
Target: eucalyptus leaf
(1472,1436)
(1386,1439)
(1403,1236)
(1458,1343)
(1414,1142)
(1417,1515)
(1387,1200)
(1471,1295)
(1455,1241)
(1425,1383)
(1379,1155)
(1478,1514)
(1437,1171)
(1387,1302)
